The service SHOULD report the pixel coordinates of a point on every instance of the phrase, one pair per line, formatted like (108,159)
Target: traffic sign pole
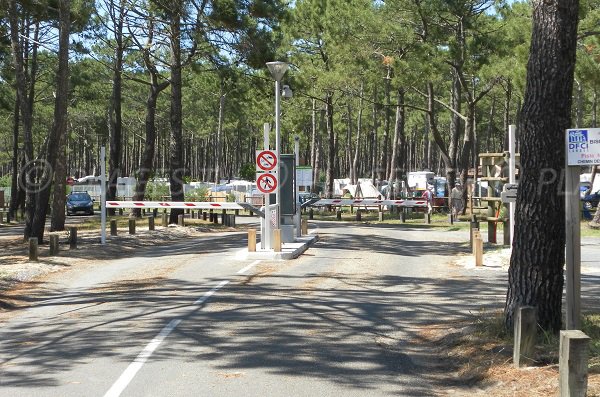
(266,239)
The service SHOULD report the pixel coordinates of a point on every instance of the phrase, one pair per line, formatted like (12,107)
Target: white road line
(126,377)
(250,266)
(211,293)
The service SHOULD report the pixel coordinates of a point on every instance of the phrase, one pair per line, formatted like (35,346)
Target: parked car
(591,200)
(80,202)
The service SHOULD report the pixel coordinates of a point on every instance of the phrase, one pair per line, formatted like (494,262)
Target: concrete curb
(288,250)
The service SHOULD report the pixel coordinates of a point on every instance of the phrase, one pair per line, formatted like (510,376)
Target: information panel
(583,146)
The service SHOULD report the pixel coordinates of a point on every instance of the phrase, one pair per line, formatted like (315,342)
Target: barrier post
(573,363)
(33,249)
(310,214)
(304,227)
(113,227)
(358,215)
(180,220)
(165,220)
(131,226)
(73,237)
(380,218)
(150,223)
(277,240)
(525,336)
(251,240)
(338,215)
(53,244)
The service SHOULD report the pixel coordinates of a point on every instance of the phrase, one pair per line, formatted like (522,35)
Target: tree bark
(354,170)
(330,146)
(536,265)
(57,137)
(398,133)
(115,112)
(176,171)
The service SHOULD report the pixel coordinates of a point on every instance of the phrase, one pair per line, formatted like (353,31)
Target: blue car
(80,202)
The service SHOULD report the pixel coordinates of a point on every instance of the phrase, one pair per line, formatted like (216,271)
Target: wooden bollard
(277,240)
(165,219)
(478,248)
(427,218)
(506,232)
(215,218)
(311,214)
(525,336)
(121,211)
(380,217)
(473,225)
(131,226)
(223,217)
(358,215)
(73,237)
(53,244)
(1,217)
(204,216)
(113,227)
(150,223)
(403,216)
(573,363)
(33,249)
(304,227)
(251,240)
(451,218)
(180,220)
(338,215)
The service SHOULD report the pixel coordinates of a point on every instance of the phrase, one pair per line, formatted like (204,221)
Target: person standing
(456,200)
(428,196)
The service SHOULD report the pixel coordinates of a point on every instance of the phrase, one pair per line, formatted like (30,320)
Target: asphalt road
(345,319)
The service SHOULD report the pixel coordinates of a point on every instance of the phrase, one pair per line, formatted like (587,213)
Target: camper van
(418,181)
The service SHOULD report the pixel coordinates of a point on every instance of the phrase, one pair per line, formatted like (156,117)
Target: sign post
(583,148)
(265,240)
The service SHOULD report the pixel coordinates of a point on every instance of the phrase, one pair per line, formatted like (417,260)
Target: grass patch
(479,352)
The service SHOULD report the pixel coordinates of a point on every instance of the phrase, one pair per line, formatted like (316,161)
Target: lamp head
(277,69)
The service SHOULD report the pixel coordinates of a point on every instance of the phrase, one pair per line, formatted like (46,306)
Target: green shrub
(199,194)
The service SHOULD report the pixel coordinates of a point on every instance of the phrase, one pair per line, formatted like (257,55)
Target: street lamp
(277,70)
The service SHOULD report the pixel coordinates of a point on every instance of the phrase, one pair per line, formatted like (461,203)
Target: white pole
(512,129)
(573,247)
(266,238)
(277,149)
(103,195)
(297,193)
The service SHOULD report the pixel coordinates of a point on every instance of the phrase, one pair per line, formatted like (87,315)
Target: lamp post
(277,70)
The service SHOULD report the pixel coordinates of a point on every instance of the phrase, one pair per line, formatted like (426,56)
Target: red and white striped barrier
(173,204)
(372,202)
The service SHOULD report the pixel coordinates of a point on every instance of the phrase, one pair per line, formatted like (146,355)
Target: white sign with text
(583,146)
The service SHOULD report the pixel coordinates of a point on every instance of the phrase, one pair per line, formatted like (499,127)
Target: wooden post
(1,217)
(477,247)
(113,227)
(121,211)
(223,216)
(492,232)
(251,240)
(451,218)
(73,237)
(165,219)
(358,215)
(180,220)
(53,244)
(427,218)
(338,215)
(204,215)
(215,218)
(304,227)
(506,232)
(150,223)
(403,215)
(277,240)
(525,336)
(573,363)
(131,226)
(33,249)
(380,216)
(310,214)
(474,226)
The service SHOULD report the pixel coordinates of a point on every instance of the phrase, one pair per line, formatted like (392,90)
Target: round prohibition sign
(266,160)
(266,183)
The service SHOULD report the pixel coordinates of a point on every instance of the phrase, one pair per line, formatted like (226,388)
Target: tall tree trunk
(354,172)
(330,146)
(219,145)
(374,140)
(176,171)
(383,152)
(535,276)
(117,13)
(398,132)
(314,147)
(147,161)
(14,181)
(55,160)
